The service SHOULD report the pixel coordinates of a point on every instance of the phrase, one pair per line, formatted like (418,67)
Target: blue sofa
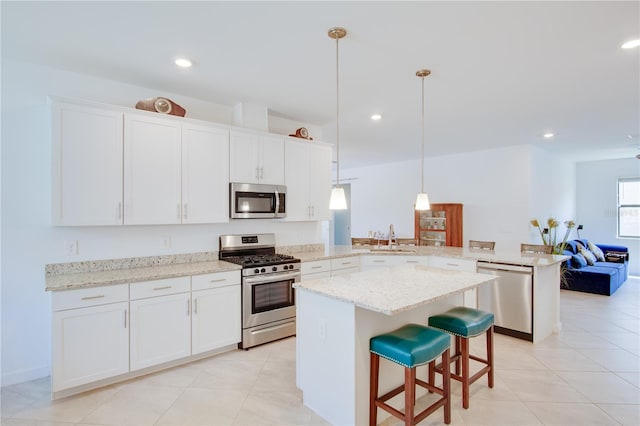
(602,277)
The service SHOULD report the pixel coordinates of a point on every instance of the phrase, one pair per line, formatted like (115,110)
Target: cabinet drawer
(345,271)
(215,280)
(154,288)
(315,276)
(316,266)
(345,262)
(413,260)
(378,260)
(453,263)
(84,297)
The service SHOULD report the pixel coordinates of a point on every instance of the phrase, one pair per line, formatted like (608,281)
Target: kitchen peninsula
(337,316)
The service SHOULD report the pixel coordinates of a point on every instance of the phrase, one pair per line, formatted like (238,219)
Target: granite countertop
(514,258)
(75,275)
(396,289)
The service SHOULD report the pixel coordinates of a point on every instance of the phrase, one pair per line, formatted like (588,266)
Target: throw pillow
(591,259)
(578,261)
(596,251)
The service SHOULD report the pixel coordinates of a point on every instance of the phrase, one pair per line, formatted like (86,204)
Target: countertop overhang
(395,289)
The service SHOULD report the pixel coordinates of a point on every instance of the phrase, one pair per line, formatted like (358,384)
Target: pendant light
(338,200)
(422,200)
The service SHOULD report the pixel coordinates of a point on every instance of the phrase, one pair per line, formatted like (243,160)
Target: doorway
(342,221)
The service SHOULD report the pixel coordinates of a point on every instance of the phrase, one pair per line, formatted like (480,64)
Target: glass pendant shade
(338,200)
(422,201)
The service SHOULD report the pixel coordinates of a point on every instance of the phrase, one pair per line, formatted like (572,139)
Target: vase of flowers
(549,233)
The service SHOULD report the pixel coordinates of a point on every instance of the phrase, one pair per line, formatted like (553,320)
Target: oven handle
(272,277)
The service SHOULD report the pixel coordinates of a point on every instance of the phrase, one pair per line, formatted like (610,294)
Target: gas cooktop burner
(253,260)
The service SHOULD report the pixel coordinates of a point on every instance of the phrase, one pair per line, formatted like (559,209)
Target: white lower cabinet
(216,320)
(90,340)
(470,297)
(373,262)
(345,265)
(161,325)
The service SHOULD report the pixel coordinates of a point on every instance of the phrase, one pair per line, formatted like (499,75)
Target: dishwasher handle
(487,266)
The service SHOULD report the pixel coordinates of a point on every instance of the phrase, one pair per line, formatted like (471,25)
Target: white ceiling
(503,73)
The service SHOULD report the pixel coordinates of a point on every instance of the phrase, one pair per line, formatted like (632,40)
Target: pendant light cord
(337,116)
(422,157)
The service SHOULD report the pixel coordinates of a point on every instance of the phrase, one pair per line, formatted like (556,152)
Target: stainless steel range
(268,302)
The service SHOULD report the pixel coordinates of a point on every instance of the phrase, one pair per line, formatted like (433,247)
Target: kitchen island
(337,316)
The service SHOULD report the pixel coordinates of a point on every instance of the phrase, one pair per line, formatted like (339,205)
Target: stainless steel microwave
(257,201)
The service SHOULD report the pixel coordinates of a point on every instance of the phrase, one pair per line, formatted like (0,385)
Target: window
(629,208)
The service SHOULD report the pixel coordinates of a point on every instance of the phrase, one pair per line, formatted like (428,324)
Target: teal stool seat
(463,321)
(411,346)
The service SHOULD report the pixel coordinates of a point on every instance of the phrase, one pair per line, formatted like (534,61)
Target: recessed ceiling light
(631,44)
(548,135)
(183,63)
(376,117)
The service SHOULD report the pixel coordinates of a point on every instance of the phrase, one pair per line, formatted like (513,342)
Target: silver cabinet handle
(188,307)
(93,297)
(316,267)
(219,280)
(378,261)
(261,172)
(346,263)
(162,288)
(453,264)
(125,318)
(411,261)
(195,306)
(257,173)
(184,211)
(313,211)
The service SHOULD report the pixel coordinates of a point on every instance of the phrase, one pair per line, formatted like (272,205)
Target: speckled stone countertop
(514,258)
(75,275)
(395,289)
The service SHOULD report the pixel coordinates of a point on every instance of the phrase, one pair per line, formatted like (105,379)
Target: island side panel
(325,356)
(546,301)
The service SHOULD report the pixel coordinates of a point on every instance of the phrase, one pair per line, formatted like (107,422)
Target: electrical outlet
(71,247)
(166,243)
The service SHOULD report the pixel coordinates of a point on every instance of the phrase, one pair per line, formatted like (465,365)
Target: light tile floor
(587,375)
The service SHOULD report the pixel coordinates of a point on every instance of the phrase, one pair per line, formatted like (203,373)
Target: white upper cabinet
(87,165)
(256,158)
(308,180)
(205,174)
(152,170)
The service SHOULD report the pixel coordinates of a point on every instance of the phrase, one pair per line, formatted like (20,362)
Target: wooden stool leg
(465,373)
(432,374)
(457,352)
(373,389)
(409,395)
(446,385)
(490,355)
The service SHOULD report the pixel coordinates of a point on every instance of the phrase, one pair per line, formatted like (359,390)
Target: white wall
(29,241)
(597,191)
(501,189)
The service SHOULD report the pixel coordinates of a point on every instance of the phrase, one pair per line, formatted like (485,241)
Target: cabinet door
(160,329)
(319,181)
(205,174)
(272,160)
(152,171)
(89,344)
(87,166)
(297,180)
(216,318)
(243,157)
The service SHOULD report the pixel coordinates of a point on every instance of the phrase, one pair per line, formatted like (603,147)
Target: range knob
(274,269)
(255,271)
(286,267)
(263,270)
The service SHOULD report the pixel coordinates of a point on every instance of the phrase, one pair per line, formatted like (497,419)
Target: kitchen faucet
(392,237)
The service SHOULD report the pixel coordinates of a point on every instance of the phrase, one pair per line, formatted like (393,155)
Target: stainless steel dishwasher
(510,298)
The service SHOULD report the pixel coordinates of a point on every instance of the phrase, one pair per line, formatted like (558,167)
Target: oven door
(268,298)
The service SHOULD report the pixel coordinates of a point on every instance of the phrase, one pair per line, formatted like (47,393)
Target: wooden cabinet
(152,170)
(205,174)
(256,158)
(308,180)
(440,226)
(86,166)
(216,321)
(90,336)
(160,325)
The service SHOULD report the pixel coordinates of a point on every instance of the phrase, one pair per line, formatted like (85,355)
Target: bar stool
(410,346)
(465,323)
